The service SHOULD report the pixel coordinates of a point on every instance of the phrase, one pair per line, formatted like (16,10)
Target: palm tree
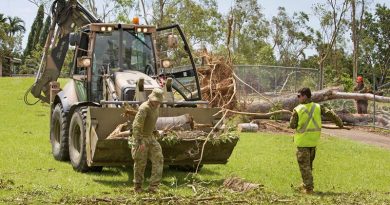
(3,28)
(3,19)
(16,25)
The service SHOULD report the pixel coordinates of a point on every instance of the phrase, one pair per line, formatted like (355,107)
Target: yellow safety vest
(309,125)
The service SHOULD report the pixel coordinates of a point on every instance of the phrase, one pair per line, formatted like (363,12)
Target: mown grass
(345,172)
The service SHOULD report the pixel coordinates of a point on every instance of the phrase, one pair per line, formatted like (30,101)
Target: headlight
(103,28)
(83,62)
(139,30)
(166,63)
(109,28)
(86,62)
(145,30)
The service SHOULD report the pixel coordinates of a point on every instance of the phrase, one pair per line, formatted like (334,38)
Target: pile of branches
(218,85)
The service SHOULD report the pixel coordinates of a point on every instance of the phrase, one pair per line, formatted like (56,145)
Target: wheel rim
(56,131)
(76,136)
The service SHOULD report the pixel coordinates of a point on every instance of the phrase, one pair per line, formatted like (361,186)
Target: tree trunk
(289,102)
(345,117)
(1,66)
(354,40)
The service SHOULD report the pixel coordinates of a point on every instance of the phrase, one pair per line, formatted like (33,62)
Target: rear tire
(59,134)
(77,144)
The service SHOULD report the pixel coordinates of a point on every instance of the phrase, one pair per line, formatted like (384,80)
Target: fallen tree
(345,117)
(281,107)
(291,101)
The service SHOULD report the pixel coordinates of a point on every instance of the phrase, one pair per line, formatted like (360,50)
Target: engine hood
(125,83)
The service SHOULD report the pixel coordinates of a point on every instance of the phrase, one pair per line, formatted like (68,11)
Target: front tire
(77,144)
(59,134)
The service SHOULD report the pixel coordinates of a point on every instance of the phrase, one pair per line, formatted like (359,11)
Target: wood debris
(218,85)
(239,185)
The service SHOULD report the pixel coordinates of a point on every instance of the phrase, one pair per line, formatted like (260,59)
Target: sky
(27,10)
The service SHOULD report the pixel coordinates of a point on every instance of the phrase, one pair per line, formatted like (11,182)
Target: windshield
(136,54)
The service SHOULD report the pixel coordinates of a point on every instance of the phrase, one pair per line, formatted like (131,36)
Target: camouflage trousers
(361,106)
(153,152)
(305,157)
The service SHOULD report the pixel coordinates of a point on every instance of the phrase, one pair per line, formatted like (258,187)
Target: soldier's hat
(156,95)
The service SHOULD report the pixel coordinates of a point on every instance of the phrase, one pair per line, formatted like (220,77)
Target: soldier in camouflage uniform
(306,119)
(361,105)
(144,145)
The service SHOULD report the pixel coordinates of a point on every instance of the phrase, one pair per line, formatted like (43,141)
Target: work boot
(153,189)
(138,188)
(301,187)
(307,191)
(298,188)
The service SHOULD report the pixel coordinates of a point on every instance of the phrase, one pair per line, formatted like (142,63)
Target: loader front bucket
(113,152)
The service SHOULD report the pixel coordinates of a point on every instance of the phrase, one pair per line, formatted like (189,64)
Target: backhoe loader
(116,66)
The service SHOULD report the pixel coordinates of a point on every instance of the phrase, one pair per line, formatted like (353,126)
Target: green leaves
(376,43)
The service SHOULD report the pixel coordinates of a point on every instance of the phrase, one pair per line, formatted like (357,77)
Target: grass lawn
(345,172)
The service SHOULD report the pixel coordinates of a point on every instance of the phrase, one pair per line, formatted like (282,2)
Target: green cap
(156,95)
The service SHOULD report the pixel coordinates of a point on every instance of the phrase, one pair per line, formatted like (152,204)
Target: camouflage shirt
(328,113)
(360,88)
(144,122)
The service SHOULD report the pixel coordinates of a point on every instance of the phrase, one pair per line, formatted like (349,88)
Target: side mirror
(84,62)
(173,41)
(74,38)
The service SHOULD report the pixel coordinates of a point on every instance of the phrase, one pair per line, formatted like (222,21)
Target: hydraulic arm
(67,15)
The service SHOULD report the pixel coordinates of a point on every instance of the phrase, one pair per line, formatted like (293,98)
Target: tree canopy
(284,39)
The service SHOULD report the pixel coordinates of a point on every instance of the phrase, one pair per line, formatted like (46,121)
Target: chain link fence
(378,113)
(273,81)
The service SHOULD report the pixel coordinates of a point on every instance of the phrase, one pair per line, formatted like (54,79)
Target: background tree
(16,25)
(250,30)
(3,32)
(110,10)
(39,24)
(11,35)
(356,29)
(290,36)
(45,32)
(34,32)
(332,20)
(46,4)
(202,28)
(376,43)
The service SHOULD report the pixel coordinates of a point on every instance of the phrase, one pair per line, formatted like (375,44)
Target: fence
(274,80)
(378,113)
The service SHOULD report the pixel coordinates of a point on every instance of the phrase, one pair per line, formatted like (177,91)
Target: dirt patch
(361,134)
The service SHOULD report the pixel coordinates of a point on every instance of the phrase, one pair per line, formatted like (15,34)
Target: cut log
(361,118)
(247,127)
(182,122)
(289,102)
(121,131)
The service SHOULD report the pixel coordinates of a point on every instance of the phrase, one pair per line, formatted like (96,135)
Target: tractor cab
(126,53)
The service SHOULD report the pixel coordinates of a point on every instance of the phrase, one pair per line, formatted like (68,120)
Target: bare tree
(356,27)
(332,18)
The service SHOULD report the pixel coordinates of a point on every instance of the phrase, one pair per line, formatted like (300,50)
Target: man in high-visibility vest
(306,119)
